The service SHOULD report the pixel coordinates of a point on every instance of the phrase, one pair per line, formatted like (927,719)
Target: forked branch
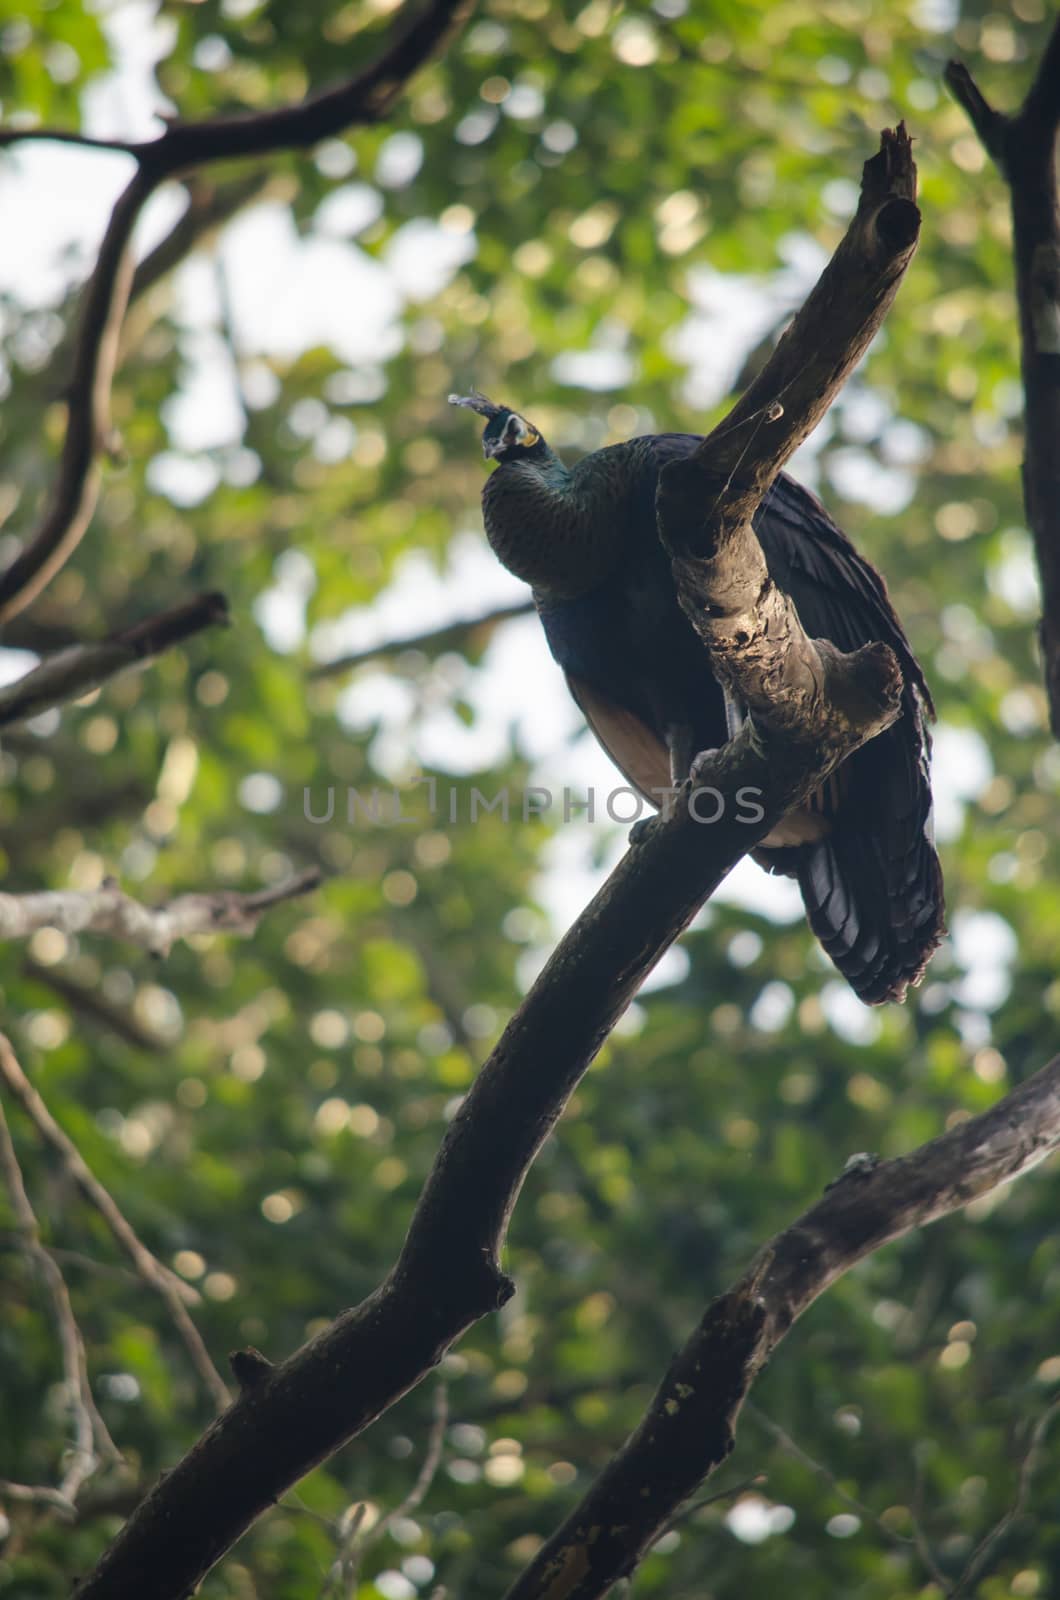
(73,672)
(156,929)
(295,1414)
(688,1430)
(361,99)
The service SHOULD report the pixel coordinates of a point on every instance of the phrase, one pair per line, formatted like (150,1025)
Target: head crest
(477,402)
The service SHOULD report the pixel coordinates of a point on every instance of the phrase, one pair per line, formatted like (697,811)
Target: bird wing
(638,753)
(873,887)
(837,593)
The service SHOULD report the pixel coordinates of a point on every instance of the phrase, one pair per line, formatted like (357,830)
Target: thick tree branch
(688,1430)
(1024,147)
(154,928)
(362,99)
(803,688)
(73,672)
(88,432)
(448,1274)
(432,641)
(149,1268)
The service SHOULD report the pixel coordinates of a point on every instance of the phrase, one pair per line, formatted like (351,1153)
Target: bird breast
(561,541)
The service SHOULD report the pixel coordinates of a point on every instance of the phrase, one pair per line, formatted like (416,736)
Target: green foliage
(270,1143)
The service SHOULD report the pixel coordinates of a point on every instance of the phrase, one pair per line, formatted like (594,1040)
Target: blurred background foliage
(601,213)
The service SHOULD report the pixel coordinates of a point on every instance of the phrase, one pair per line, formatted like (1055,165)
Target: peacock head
(508,436)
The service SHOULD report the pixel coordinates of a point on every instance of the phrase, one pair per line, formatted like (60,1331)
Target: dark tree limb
(88,432)
(800,687)
(1023,145)
(448,1274)
(432,641)
(73,672)
(360,100)
(688,1430)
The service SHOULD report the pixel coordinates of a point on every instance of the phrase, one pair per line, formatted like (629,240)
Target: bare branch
(210,206)
(27,134)
(432,641)
(804,688)
(39,1494)
(88,1001)
(988,1547)
(73,672)
(107,1269)
(90,1431)
(361,99)
(1024,147)
(688,1430)
(448,1274)
(356,1544)
(818,1468)
(76,487)
(150,1269)
(156,929)
(988,123)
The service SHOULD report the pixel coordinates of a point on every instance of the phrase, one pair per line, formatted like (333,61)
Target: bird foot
(699,767)
(641,831)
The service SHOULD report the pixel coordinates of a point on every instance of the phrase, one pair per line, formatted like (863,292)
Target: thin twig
(210,206)
(361,100)
(80,668)
(91,1436)
(89,1001)
(689,1509)
(818,1468)
(150,1269)
(984,1552)
(355,1544)
(107,910)
(88,431)
(431,641)
(109,1269)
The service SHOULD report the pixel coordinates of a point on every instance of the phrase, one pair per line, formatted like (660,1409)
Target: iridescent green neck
(551,527)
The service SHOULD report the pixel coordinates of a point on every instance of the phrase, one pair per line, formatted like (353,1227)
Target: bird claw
(700,763)
(641,831)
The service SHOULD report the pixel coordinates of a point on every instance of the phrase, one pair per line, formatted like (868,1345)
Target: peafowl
(585,539)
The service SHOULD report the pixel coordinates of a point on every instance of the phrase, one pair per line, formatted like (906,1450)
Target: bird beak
(492,447)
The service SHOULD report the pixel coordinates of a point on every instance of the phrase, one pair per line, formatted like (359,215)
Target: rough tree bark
(291,1416)
(809,710)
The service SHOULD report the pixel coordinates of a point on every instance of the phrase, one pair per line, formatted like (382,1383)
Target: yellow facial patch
(529,439)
